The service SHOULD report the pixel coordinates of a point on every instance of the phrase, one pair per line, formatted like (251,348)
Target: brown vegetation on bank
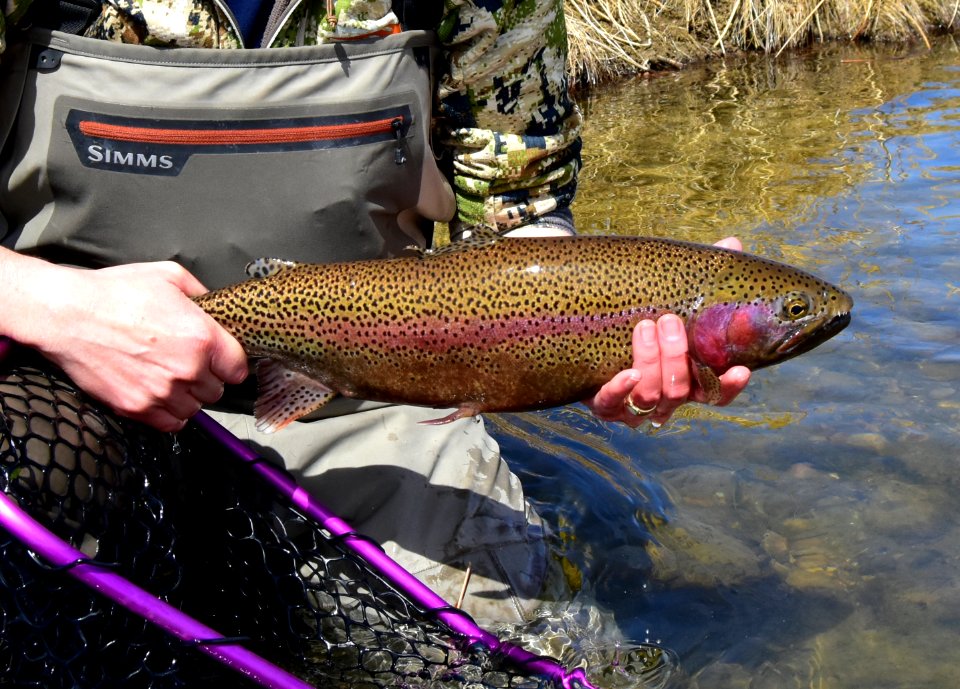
(613,38)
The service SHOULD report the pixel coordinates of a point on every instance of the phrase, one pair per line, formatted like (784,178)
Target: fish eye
(796,305)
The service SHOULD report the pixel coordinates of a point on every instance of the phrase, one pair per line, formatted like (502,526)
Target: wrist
(33,289)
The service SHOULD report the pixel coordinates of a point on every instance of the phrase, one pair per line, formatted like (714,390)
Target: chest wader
(117,153)
(114,153)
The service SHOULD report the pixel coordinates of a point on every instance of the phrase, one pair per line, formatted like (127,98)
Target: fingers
(732,243)
(167,413)
(226,363)
(181,408)
(205,390)
(203,367)
(659,381)
(608,403)
(732,383)
(674,365)
(165,422)
(645,395)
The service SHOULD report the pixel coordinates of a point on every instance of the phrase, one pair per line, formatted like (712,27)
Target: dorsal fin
(265,267)
(480,236)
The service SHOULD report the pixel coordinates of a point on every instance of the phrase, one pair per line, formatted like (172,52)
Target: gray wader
(116,153)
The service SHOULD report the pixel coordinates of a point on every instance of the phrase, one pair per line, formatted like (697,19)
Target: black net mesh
(199,530)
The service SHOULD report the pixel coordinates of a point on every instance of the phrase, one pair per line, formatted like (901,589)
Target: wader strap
(68,16)
(418,14)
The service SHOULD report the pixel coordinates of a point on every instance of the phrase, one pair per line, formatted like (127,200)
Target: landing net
(201,531)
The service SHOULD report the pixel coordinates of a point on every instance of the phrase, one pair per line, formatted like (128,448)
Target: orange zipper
(221,137)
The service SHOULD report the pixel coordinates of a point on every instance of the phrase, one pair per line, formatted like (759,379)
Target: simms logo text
(97,154)
(123,144)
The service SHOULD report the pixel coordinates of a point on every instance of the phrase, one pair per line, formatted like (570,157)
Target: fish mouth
(804,339)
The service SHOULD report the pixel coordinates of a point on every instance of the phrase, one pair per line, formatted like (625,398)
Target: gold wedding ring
(637,411)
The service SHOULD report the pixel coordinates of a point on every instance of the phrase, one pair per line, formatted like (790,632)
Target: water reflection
(809,535)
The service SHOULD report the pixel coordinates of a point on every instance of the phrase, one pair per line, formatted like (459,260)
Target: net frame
(463,632)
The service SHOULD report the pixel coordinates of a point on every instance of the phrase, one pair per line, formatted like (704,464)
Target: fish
(501,324)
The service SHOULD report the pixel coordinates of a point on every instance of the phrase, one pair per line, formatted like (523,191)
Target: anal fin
(286,395)
(464,411)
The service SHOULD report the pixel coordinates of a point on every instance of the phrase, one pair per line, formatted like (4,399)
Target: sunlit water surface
(809,534)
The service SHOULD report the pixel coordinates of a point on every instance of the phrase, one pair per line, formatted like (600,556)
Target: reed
(614,38)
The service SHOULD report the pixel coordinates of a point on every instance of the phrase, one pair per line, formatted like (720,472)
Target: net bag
(185,520)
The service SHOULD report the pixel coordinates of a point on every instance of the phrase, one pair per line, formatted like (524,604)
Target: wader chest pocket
(162,147)
(214,158)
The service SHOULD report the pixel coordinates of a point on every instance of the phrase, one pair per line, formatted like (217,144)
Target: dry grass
(613,38)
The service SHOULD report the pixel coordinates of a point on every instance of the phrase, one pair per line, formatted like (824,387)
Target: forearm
(33,290)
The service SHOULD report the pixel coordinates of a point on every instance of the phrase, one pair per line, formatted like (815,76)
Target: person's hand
(131,337)
(661,378)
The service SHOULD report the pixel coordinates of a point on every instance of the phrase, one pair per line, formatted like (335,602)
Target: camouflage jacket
(502,107)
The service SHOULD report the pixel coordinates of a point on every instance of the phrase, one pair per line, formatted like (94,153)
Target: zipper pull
(397,125)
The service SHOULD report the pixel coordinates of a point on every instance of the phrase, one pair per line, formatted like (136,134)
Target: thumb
(184,280)
(732,243)
(228,362)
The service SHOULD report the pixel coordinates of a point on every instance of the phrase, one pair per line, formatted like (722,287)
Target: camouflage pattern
(503,113)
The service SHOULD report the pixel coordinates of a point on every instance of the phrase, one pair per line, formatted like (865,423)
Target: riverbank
(610,39)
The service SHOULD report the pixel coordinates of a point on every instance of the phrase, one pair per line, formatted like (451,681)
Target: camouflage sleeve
(505,114)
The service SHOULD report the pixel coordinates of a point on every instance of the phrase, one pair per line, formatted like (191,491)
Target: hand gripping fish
(510,324)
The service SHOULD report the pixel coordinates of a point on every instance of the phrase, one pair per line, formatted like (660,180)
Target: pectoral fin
(286,395)
(710,383)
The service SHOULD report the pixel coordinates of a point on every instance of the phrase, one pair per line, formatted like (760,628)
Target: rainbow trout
(510,324)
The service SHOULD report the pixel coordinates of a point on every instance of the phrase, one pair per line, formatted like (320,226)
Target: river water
(809,534)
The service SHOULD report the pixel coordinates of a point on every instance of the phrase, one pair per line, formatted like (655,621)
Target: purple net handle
(116,588)
(390,570)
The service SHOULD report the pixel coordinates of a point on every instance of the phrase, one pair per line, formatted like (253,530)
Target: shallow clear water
(809,534)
